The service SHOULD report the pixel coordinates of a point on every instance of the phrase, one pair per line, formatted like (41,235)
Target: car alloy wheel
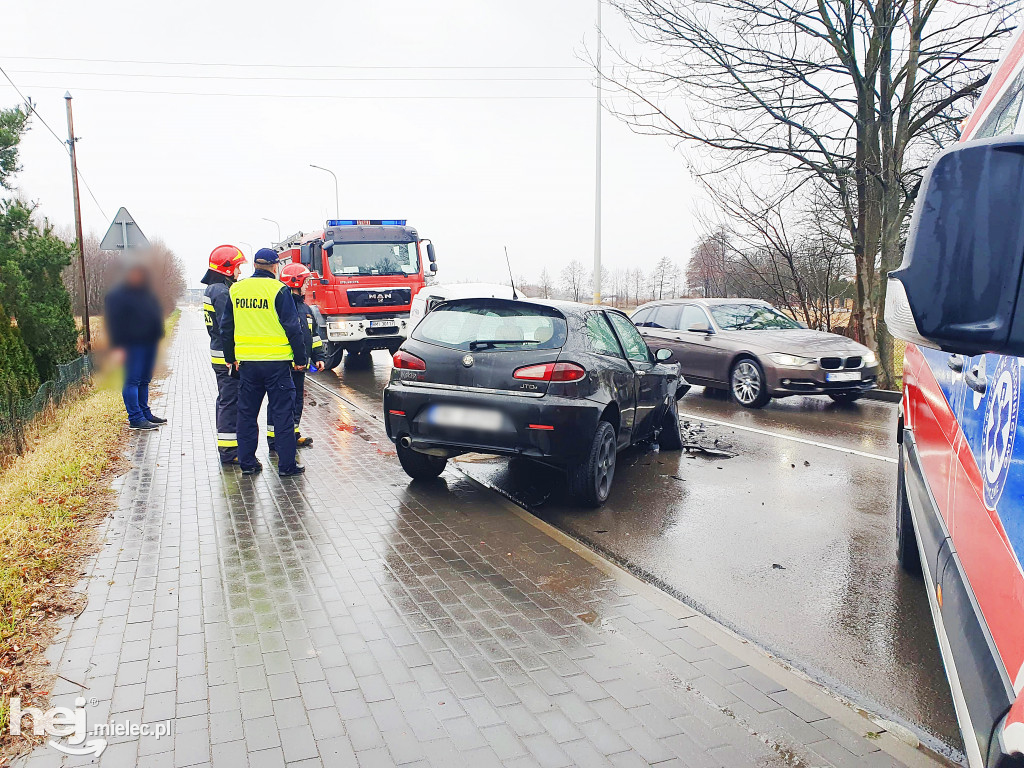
(746,382)
(605,466)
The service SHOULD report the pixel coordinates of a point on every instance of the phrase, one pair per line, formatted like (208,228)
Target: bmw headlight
(791,361)
(870,358)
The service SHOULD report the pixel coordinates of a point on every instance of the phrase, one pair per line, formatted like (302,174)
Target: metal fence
(16,415)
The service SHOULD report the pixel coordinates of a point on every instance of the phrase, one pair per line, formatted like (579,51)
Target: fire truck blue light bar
(358,222)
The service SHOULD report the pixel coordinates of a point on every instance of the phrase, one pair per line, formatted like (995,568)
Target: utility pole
(597,184)
(78,224)
(337,203)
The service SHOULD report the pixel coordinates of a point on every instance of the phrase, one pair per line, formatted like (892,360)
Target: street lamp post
(597,180)
(276,225)
(337,204)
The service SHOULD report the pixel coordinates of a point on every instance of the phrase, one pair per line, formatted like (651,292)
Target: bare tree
(637,281)
(783,249)
(546,284)
(854,93)
(104,268)
(574,279)
(707,272)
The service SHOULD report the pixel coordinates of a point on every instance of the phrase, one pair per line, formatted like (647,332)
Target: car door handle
(976,380)
(955,363)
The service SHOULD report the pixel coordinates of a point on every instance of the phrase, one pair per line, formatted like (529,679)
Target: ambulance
(957,300)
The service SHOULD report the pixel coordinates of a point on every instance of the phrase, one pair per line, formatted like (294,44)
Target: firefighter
(225,266)
(294,276)
(263,342)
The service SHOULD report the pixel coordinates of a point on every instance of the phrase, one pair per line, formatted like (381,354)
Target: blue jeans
(140,359)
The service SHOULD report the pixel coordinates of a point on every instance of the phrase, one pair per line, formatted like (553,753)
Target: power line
(34,111)
(308,96)
(307,78)
(285,66)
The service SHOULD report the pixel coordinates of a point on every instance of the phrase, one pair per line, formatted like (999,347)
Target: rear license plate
(843,376)
(484,419)
(383,324)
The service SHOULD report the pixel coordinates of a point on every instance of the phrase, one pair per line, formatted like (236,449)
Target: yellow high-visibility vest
(258,332)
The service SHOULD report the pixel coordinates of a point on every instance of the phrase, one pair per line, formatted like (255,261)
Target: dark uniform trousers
(299,380)
(227,413)
(273,379)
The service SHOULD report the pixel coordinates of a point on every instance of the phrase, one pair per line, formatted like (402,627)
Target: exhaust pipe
(405,442)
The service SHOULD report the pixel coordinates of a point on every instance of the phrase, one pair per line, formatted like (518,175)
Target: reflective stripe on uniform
(208,305)
(270,432)
(317,342)
(217,356)
(227,440)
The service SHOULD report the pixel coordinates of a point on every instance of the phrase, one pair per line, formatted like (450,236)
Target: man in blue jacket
(263,341)
(135,325)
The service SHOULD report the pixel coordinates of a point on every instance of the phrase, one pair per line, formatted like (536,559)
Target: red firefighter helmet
(294,275)
(226,259)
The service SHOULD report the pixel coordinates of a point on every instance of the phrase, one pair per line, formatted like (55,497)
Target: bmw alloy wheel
(746,382)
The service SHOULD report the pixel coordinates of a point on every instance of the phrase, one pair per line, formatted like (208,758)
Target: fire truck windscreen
(374,259)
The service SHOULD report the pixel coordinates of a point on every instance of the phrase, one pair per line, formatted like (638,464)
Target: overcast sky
(427,111)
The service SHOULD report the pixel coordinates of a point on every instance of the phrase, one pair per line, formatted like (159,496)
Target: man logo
(1000,428)
(468,361)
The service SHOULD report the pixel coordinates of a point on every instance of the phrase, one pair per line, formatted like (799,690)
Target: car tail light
(550,372)
(404,360)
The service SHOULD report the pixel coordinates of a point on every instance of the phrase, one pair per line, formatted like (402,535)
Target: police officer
(295,276)
(263,340)
(225,266)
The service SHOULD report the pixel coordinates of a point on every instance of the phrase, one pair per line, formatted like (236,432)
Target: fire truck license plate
(483,419)
(382,324)
(843,376)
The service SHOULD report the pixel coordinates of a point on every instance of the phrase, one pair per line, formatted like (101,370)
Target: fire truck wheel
(333,352)
(358,360)
(420,466)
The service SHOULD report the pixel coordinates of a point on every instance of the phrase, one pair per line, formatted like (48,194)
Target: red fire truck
(365,273)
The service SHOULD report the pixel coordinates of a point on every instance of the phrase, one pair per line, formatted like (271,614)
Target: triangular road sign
(124,234)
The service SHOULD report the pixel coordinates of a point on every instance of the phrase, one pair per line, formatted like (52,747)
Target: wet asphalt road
(789,541)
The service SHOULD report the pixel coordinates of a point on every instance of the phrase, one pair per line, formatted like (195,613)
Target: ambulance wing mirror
(959,286)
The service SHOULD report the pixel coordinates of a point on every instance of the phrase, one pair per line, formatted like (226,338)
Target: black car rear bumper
(555,429)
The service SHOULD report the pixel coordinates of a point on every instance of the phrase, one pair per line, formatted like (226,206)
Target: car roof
(703,302)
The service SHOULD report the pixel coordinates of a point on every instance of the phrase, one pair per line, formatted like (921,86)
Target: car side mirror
(663,355)
(700,328)
(959,286)
(431,256)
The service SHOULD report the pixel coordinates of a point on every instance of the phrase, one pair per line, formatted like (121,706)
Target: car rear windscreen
(506,325)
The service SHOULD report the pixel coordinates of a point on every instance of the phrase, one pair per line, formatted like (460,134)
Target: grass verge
(51,501)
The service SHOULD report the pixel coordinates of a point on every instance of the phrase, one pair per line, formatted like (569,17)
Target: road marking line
(815,443)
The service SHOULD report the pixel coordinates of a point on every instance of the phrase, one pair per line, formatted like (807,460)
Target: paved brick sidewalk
(350,618)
